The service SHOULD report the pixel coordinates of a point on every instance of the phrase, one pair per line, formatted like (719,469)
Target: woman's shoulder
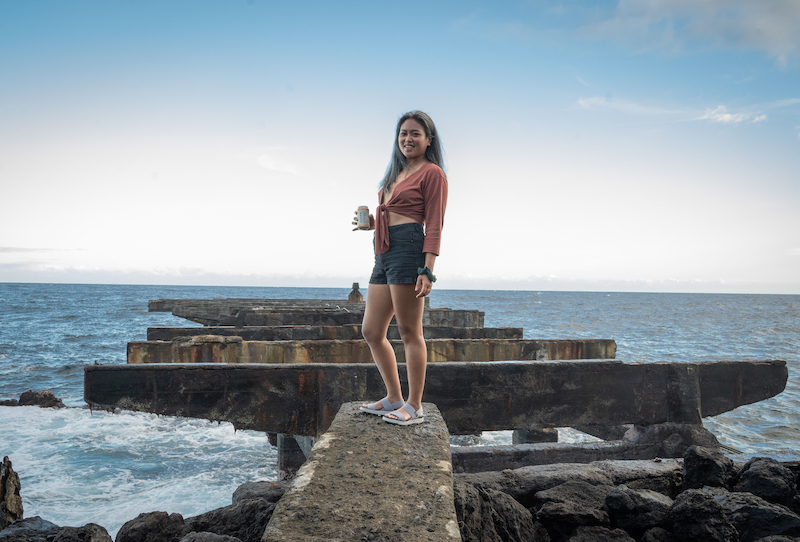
(431,170)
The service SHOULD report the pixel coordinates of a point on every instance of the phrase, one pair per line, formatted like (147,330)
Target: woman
(413,192)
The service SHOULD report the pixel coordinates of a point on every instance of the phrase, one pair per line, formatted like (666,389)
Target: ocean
(77,466)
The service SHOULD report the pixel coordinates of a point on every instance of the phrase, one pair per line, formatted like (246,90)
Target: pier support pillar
(290,455)
(605,432)
(534,434)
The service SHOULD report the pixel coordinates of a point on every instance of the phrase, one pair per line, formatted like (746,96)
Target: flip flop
(387,407)
(416,416)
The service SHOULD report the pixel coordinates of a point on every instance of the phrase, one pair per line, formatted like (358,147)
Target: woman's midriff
(396,219)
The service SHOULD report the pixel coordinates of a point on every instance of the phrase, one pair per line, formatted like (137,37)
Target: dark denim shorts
(399,264)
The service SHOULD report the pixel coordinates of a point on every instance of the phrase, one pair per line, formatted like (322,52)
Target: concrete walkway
(367,479)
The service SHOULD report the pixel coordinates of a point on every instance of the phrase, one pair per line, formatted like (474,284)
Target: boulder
(673,439)
(488,515)
(572,504)
(662,475)
(523,483)
(657,534)
(269,491)
(44,399)
(599,534)
(755,518)
(768,479)
(208,537)
(706,467)
(152,527)
(245,520)
(33,529)
(10,499)
(636,511)
(697,517)
(9,402)
(90,532)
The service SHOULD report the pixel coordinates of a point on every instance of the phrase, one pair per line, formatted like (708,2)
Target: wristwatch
(426,271)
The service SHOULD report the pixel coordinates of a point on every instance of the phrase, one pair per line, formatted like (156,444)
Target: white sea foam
(77,467)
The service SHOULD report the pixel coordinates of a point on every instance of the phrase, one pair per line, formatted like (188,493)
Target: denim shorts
(399,264)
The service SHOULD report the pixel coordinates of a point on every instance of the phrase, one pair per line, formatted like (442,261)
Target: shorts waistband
(408,225)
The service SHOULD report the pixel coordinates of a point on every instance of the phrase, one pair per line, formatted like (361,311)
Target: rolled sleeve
(435,193)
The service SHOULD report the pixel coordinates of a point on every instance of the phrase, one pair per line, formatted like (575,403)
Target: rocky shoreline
(705,496)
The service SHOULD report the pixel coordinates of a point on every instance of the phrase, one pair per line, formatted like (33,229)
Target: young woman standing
(413,193)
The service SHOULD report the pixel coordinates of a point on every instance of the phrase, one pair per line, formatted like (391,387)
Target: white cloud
(793,252)
(279,159)
(16,250)
(765,25)
(721,114)
(624,106)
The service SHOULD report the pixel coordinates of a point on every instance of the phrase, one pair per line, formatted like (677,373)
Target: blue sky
(611,146)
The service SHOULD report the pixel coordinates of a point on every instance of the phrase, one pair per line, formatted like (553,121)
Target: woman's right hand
(371,222)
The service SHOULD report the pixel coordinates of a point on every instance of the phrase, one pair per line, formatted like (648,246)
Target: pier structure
(663,402)
(274,378)
(328,331)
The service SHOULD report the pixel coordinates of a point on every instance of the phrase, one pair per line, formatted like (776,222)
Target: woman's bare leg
(408,310)
(377,316)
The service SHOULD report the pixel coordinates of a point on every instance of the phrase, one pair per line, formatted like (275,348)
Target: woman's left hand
(423,286)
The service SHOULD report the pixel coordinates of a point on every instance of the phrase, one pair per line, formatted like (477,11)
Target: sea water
(77,466)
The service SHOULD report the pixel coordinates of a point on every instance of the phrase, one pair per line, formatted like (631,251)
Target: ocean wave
(78,466)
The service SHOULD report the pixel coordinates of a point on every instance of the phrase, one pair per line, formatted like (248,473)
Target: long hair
(398,162)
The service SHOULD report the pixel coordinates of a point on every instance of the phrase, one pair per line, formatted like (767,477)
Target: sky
(645,145)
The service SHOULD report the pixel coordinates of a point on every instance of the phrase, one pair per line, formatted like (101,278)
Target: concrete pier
(301,399)
(211,308)
(232,349)
(278,312)
(326,333)
(366,479)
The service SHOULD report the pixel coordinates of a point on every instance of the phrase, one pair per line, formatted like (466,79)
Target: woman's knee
(372,334)
(410,334)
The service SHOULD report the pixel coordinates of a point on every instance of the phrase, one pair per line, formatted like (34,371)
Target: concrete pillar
(534,434)
(290,456)
(605,432)
(355,296)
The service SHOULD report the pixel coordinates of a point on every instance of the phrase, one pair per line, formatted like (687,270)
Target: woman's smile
(412,139)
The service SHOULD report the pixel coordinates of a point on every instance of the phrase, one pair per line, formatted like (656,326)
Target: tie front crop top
(422,197)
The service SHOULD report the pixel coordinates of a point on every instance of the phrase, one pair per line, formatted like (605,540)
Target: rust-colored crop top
(421,197)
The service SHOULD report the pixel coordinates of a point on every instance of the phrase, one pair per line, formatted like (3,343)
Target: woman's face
(412,139)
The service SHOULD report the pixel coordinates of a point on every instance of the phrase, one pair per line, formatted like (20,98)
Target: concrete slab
(331,317)
(669,440)
(326,333)
(232,349)
(275,312)
(214,307)
(300,399)
(366,478)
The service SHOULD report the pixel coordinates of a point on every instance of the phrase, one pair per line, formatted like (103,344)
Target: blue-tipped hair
(398,162)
